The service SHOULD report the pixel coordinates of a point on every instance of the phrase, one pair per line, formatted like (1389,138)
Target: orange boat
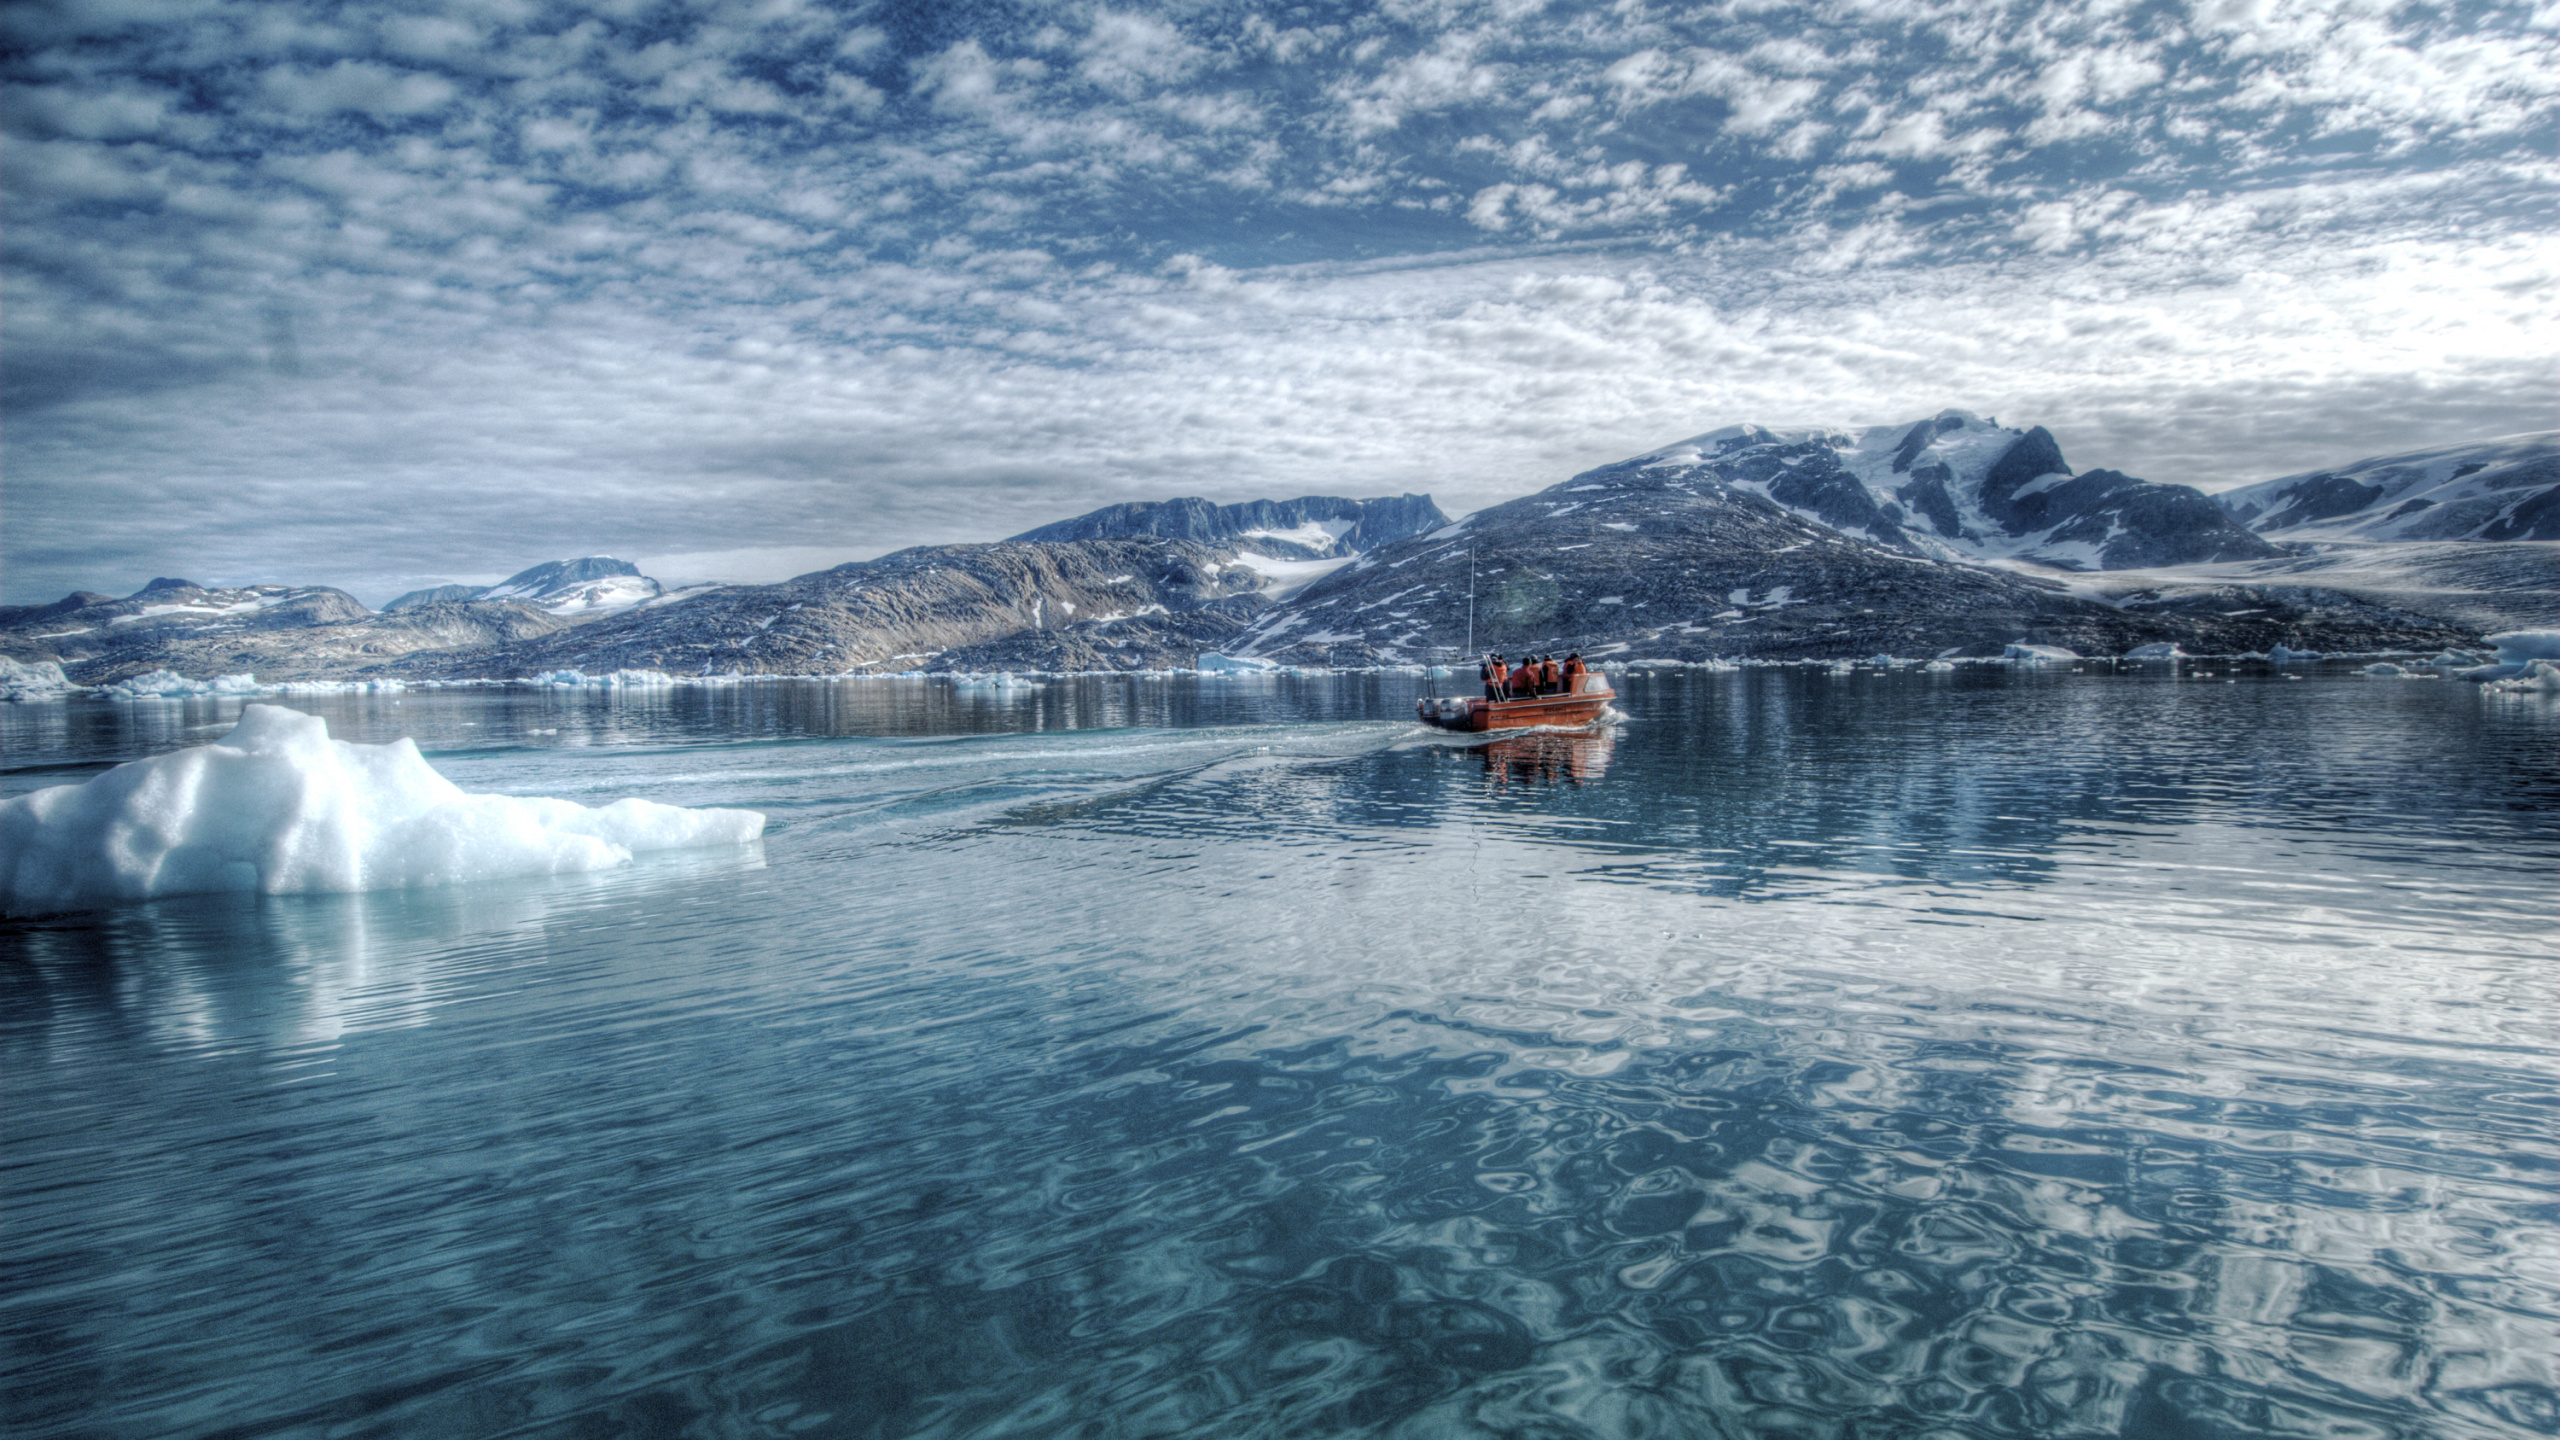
(1581,707)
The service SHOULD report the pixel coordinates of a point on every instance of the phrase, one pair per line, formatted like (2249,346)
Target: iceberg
(2039,654)
(278,807)
(2540,677)
(43,680)
(618,680)
(2157,650)
(2384,670)
(2517,652)
(171,683)
(2283,655)
(1213,663)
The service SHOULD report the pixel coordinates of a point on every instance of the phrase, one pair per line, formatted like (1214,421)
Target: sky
(385,296)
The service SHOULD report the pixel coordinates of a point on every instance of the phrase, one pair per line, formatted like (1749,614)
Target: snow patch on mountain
(573,589)
(2502,489)
(1957,486)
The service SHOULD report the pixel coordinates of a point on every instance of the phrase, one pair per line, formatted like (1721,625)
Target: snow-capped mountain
(2502,489)
(1311,527)
(1752,543)
(596,585)
(1960,487)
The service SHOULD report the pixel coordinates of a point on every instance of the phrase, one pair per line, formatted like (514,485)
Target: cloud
(357,86)
(554,277)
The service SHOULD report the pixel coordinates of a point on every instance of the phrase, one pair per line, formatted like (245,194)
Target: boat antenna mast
(1471,600)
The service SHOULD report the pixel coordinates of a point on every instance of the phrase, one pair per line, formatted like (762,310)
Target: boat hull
(1475,716)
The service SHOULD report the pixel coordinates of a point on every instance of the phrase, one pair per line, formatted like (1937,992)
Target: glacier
(43,680)
(276,806)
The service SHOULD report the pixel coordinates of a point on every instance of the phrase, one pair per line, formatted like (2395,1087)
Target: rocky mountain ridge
(1951,535)
(1959,487)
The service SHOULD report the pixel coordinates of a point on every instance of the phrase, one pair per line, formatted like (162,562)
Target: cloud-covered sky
(381,296)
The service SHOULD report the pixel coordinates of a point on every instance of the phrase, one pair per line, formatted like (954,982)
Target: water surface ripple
(2035,1055)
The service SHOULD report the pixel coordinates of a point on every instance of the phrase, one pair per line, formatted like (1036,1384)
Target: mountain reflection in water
(1990,1054)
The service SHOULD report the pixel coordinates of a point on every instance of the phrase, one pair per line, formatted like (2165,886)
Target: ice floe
(277,806)
(2039,654)
(2157,650)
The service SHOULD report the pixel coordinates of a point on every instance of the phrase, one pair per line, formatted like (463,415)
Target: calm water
(2039,1055)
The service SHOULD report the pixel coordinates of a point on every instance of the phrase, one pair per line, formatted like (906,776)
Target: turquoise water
(2001,1053)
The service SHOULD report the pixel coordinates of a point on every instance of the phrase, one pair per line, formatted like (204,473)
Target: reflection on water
(1898,1056)
(1550,757)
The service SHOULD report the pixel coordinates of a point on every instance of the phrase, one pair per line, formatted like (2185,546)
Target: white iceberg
(2517,651)
(2384,670)
(618,680)
(2281,655)
(170,682)
(2540,677)
(277,806)
(2157,650)
(42,680)
(2039,654)
(1213,663)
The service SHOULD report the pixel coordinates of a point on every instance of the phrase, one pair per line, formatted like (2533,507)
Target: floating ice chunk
(618,680)
(2157,650)
(2526,645)
(2540,677)
(277,806)
(2384,670)
(1213,663)
(1938,667)
(2517,650)
(170,682)
(2280,655)
(43,680)
(1880,658)
(2039,654)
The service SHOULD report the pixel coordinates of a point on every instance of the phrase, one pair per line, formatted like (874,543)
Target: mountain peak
(1311,527)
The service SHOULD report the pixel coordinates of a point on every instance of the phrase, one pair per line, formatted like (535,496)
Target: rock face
(1102,604)
(596,585)
(2497,490)
(1957,487)
(1692,554)
(1312,527)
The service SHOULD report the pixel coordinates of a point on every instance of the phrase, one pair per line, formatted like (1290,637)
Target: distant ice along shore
(2510,657)
(276,806)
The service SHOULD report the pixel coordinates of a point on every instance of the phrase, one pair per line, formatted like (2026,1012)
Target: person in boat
(1524,681)
(1574,670)
(1550,675)
(1494,673)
